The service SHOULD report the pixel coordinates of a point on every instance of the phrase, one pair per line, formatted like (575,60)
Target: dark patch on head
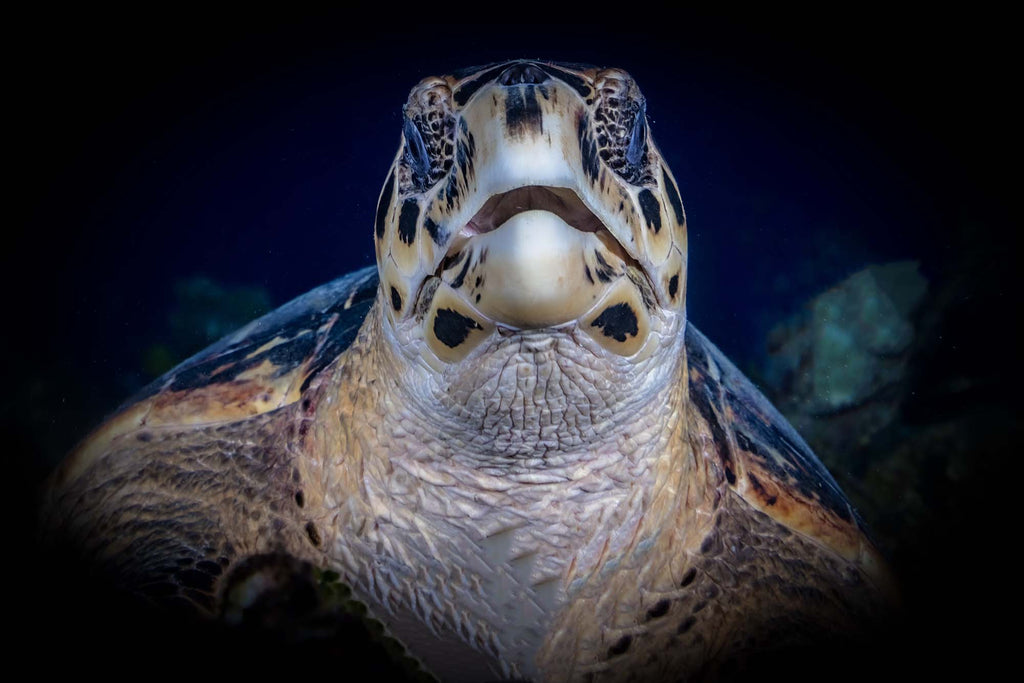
(457,282)
(450,193)
(523,115)
(604,271)
(660,609)
(314,534)
(588,148)
(586,269)
(620,646)
(673,285)
(396,300)
(688,577)
(300,499)
(469,147)
(699,606)
(652,209)
(465,148)
(489,73)
(385,203)
(570,79)
(644,287)
(617,321)
(451,259)
(469,88)
(436,233)
(407,221)
(452,328)
(730,476)
(144,437)
(673,196)
(687,624)
(523,73)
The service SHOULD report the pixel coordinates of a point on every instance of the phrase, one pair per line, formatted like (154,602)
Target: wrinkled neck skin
(510,477)
(531,406)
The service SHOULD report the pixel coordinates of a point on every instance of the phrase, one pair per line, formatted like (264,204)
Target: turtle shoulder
(264,366)
(768,464)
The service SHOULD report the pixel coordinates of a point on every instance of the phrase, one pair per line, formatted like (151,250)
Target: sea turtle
(505,439)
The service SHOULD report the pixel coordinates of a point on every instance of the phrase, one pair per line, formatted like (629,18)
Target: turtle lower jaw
(532,272)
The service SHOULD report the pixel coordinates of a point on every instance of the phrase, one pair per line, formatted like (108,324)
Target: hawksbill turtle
(505,439)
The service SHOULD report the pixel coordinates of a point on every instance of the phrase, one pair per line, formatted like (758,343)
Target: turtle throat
(531,404)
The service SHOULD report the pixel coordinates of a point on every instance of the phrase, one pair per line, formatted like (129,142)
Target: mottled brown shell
(768,464)
(266,365)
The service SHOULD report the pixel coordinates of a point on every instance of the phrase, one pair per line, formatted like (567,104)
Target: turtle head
(525,196)
(529,226)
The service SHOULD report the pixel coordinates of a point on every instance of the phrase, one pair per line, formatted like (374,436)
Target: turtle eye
(622,136)
(428,127)
(636,153)
(416,156)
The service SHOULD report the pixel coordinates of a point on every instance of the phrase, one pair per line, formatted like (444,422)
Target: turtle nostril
(523,73)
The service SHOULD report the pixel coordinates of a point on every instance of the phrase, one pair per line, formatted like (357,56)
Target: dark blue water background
(146,149)
(252,152)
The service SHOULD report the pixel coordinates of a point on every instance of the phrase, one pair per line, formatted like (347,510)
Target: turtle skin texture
(470,460)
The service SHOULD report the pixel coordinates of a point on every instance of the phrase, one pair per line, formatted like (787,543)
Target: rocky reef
(904,384)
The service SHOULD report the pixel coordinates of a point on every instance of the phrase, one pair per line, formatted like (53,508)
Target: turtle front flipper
(206,468)
(200,549)
(769,465)
(201,494)
(819,583)
(212,519)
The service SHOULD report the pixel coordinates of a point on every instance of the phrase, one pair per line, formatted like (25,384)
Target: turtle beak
(508,217)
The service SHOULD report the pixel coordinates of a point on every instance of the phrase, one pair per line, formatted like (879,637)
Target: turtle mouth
(535,257)
(561,201)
